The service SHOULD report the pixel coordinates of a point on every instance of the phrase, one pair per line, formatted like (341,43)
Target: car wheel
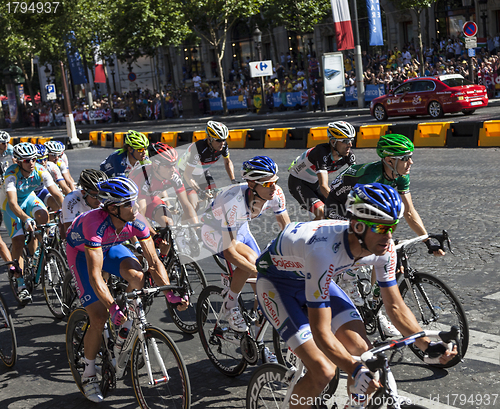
(435,109)
(379,113)
(468,111)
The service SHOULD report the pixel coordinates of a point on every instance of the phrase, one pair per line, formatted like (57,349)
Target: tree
(270,18)
(417,6)
(212,20)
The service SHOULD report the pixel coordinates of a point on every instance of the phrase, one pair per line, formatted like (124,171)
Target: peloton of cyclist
(194,164)
(82,200)
(134,153)
(297,271)
(308,180)
(55,150)
(93,245)
(226,231)
(21,207)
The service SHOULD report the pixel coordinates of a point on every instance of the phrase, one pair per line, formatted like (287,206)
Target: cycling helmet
(258,167)
(4,137)
(136,140)
(54,147)
(217,130)
(117,191)
(394,145)
(42,151)
(25,150)
(375,201)
(90,179)
(161,153)
(62,144)
(341,130)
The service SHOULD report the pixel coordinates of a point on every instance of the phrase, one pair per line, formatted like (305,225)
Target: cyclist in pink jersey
(93,245)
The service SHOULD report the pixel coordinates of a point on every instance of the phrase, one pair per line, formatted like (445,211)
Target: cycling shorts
(213,240)
(44,195)
(284,305)
(78,266)
(307,194)
(30,206)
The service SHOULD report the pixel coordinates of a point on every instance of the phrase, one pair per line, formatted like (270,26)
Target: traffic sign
(51,92)
(470,42)
(132,77)
(261,68)
(472,53)
(470,29)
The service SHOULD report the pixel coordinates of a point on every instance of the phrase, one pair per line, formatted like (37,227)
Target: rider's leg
(98,315)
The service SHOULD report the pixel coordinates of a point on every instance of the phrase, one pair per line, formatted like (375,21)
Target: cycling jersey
(201,156)
(230,212)
(362,173)
(149,185)
(74,204)
(117,164)
(317,160)
(6,158)
(62,165)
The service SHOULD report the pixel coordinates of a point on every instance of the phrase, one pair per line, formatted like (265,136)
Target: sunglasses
(33,160)
(404,158)
(267,184)
(346,140)
(130,203)
(380,228)
(86,193)
(140,150)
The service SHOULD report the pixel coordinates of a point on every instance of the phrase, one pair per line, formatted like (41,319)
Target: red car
(434,96)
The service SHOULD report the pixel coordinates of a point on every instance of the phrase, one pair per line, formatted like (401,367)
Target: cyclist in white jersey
(296,272)
(226,229)
(55,150)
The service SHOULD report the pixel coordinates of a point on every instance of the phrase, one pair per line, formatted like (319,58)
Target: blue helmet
(42,151)
(117,191)
(258,167)
(375,201)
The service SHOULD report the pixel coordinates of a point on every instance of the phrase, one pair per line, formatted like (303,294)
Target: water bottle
(122,336)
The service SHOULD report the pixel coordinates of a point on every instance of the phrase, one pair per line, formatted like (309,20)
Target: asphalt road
(453,189)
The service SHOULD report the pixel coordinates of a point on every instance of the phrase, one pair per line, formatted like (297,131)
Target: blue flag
(375,22)
(75,63)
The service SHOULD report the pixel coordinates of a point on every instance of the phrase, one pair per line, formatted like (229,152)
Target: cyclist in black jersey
(308,180)
(200,156)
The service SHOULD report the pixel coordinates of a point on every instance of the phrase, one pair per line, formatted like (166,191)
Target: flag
(374,22)
(100,76)
(342,23)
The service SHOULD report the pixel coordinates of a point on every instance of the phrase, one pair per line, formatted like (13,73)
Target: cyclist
(133,153)
(21,209)
(308,180)
(6,151)
(226,230)
(297,271)
(82,200)
(93,245)
(55,151)
(393,169)
(200,156)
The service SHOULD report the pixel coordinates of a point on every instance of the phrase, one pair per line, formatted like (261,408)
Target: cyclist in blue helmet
(226,230)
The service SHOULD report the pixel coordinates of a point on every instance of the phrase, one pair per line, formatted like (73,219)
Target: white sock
(89,368)
(231,299)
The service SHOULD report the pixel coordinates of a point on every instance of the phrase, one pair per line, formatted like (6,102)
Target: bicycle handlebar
(440,238)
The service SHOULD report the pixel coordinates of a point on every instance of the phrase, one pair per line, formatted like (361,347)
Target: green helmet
(136,140)
(394,145)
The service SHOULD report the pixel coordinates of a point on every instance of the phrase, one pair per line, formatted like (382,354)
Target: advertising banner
(261,68)
(333,73)
(374,22)
(371,92)
(236,102)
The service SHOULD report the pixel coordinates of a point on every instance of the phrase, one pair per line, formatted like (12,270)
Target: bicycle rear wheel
(190,276)
(221,344)
(436,307)
(171,387)
(220,262)
(8,341)
(53,271)
(267,387)
(70,296)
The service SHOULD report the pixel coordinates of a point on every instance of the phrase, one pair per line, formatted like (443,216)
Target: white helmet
(341,130)
(217,130)
(54,147)
(4,137)
(25,150)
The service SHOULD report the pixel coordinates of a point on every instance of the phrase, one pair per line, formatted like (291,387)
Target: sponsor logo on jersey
(231,216)
(296,228)
(305,334)
(316,239)
(324,284)
(342,190)
(283,263)
(271,307)
(342,267)
(336,247)
(209,239)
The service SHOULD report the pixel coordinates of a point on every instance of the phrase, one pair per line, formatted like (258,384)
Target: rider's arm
(56,194)
(94,259)
(283,219)
(64,187)
(187,207)
(69,180)
(228,164)
(188,177)
(323,183)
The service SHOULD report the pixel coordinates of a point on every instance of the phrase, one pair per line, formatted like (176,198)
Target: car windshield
(456,82)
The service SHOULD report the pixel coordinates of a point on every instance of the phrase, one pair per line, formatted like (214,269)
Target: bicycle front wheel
(221,344)
(78,323)
(53,271)
(8,341)
(190,276)
(169,386)
(436,307)
(267,387)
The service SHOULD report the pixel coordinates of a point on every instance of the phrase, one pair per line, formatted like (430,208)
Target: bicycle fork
(413,288)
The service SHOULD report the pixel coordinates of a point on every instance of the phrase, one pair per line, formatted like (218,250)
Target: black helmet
(90,178)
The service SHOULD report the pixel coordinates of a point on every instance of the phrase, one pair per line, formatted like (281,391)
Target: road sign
(261,68)
(470,42)
(51,92)
(469,29)
(472,53)
(132,77)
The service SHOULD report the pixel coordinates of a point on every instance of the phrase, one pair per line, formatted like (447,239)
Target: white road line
(483,347)
(494,296)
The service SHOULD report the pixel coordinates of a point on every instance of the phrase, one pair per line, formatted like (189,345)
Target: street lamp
(257,38)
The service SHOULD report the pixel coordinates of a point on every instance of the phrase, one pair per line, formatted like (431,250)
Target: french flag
(342,23)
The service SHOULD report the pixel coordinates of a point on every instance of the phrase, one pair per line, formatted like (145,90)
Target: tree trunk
(219,56)
(162,111)
(275,48)
(108,87)
(421,51)
(27,79)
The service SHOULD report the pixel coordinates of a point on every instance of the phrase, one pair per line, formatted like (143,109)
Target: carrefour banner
(375,22)
(371,92)
(236,102)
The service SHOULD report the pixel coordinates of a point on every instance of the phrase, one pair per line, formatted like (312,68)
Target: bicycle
(230,351)
(8,340)
(433,303)
(159,373)
(271,385)
(47,266)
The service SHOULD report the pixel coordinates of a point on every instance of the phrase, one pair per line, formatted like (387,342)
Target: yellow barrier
(107,139)
(276,138)
(43,139)
(369,135)
(489,134)
(197,135)
(34,139)
(170,138)
(316,136)
(237,138)
(94,137)
(431,134)
(25,139)
(119,139)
